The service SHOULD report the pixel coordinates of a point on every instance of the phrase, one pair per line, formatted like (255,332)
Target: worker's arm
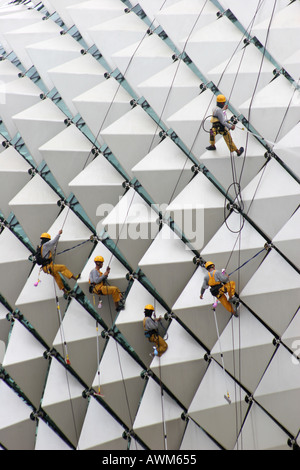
(204,286)
(220,277)
(96,277)
(50,246)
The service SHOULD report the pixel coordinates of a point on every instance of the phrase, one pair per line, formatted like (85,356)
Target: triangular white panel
(64,403)
(17,430)
(284,388)
(126,374)
(79,332)
(98,187)
(37,302)
(260,432)
(20,38)
(158,421)
(272,191)
(196,439)
(87,14)
(102,105)
(66,155)
(95,436)
(242,343)
(287,239)
(197,215)
(4,330)
(132,224)
(13,176)
(76,76)
(288,149)
(281,31)
(50,120)
(14,265)
(141,60)
(192,14)
(274,298)
(220,34)
(166,162)
(210,409)
(52,53)
(183,363)
(36,197)
(167,264)
(47,439)
(238,78)
(18,95)
(116,34)
(129,145)
(283,111)
(25,363)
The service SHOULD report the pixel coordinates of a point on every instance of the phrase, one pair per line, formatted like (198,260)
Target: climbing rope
(227,395)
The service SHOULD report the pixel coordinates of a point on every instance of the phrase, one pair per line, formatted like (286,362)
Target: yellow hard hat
(221,99)
(99,259)
(46,235)
(208,264)
(149,307)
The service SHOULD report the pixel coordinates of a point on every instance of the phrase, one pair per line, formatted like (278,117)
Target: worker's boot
(211,147)
(240,151)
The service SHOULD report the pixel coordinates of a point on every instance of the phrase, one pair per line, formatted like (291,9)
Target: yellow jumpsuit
(55,270)
(229,287)
(218,128)
(101,288)
(161,345)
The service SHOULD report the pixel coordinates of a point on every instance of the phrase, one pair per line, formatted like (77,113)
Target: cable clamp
(131,276)
(127,435)
(199,261)
(196,169)
(107,334)
(268,246)
(249,399)
(145,374)
(88,392)
(184,416)
(276,341)
(169,315)
(95,151)
(36,415)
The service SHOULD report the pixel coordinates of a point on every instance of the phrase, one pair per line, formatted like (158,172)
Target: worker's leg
(58,269)
(212,136)
(160,343)
(54,271)
(230,288)
(113,291)
(228,139)
(225,303)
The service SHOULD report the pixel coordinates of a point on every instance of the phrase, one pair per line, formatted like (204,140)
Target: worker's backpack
(39,258)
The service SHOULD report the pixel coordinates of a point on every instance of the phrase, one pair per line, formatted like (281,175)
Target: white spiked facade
(105,112)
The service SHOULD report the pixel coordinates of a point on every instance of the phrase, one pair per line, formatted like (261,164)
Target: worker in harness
(98,286)
(151,331)
(220,284)
(47,248)
(220,125)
